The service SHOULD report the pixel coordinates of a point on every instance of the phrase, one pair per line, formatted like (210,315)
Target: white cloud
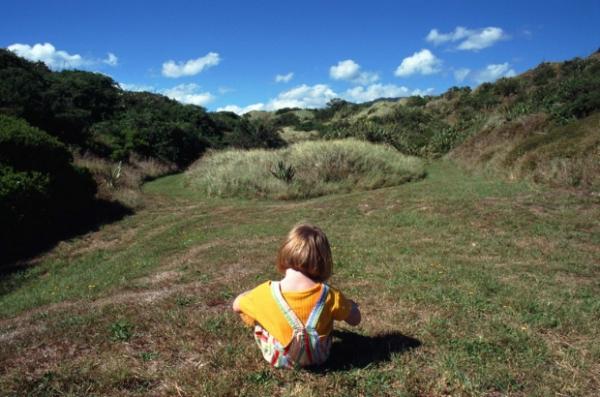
(461,74)
(482,39)
(284,78)
(189,94)
(470,39)
(47,53)
(191,67)
(111,59)
(137,87)
(422,62)
(494,72)
(318,95)
(438,38)
(344,70)
(419,92)
(303,96)
(240,110)
(374,91)
(59,59)
(350,70)
(365,78)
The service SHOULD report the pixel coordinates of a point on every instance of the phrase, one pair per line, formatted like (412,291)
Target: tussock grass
(532,148)
(122,181)
(318,168)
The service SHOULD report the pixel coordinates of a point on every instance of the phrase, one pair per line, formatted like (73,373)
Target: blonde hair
(306,249)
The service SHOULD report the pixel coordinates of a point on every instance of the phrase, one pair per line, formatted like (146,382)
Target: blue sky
(228,54)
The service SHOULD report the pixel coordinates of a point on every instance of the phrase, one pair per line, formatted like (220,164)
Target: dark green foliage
(285,110)
(22,85)
(287,119)
(484,97)
(40,190)
(156,127)
(543,73)
(254,134)
(76,100)
(575,95)
(416,101)
(507,86)
(334,106)
(283,172)
(455,92)
(121,331)
(225,121)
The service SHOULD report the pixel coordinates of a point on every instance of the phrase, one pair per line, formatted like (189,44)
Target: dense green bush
(40,190)
(254,134)
(543,73)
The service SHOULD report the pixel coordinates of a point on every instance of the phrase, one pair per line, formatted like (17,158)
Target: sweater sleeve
(251,301)
(340,306)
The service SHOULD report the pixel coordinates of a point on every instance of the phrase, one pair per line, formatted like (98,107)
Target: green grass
(303,170)
(468,286)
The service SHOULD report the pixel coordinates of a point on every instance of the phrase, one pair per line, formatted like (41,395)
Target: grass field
(467,285)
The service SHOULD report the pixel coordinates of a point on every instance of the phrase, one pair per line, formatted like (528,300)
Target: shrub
(255,134)
(40,190)
(543,74)
(308,169)
(507,86)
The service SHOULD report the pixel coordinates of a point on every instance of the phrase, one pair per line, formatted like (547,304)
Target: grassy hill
(480,279)
(468,285)
(548,115)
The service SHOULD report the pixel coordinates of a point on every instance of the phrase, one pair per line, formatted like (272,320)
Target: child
(294,317)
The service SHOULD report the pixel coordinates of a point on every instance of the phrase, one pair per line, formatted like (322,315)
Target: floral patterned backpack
(306,348)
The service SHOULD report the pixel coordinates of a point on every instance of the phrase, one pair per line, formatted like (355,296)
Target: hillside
(468,285)
(130,221)
(541,125)
(75,149)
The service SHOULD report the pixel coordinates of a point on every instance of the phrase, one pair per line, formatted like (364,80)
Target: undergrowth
(303,170)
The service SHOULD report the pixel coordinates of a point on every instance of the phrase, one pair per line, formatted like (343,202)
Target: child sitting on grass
(293,318)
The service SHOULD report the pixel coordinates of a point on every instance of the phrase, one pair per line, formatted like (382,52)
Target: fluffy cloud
(461,74)
(47,53)
(494,72)
(137,87)
(303,96)
(58,59)
(422,62)
(111,59)
(470,39)
(240,110)
(344,70)
(374,91)
(284,78)
(189,94)
(318,95)
(350,70)
(191,67)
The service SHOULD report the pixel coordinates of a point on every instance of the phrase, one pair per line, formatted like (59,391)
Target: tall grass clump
(303,170)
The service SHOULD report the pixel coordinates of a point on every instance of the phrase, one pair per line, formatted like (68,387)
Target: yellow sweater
(259,306)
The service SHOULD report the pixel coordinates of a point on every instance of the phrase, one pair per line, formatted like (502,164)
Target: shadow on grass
(351,350)
(18,256)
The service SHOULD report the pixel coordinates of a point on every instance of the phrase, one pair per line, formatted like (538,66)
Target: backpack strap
(316,312)
(288,313)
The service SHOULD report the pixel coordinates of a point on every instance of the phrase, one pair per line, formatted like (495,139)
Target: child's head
(306,250)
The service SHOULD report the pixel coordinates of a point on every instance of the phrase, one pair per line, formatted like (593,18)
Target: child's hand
(354,317)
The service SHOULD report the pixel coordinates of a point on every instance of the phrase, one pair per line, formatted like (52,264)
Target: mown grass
(306,169)
(468,286)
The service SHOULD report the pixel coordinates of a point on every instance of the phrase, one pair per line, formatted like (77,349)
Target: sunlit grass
(497,282)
